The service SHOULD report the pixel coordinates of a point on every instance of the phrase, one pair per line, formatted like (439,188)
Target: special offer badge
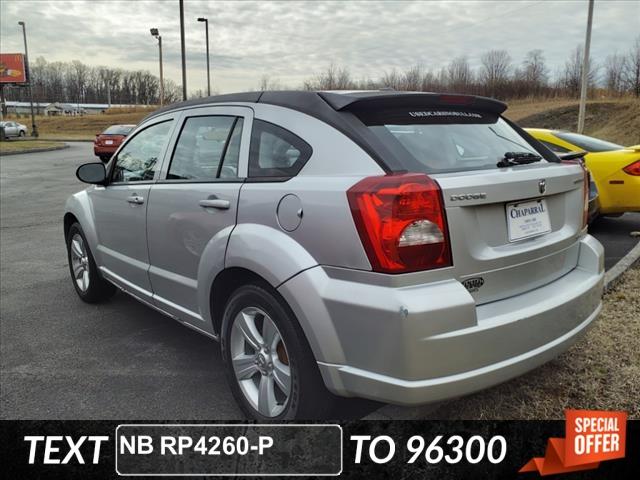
(592,436)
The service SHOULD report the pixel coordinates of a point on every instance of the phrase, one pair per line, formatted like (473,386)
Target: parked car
(402,247)
(107,142)
(614,168)
(13,129)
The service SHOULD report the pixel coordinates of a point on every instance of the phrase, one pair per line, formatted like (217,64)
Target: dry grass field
(85,127)
(614,120)
(16,146)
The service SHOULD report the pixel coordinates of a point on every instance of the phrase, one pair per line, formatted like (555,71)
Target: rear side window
(208,148)
(445,139)
(589,144)
(276,152)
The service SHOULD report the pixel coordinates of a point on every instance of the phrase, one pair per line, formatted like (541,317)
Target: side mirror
(93,173)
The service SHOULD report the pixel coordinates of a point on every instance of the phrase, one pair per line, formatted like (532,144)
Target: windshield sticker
(442,113)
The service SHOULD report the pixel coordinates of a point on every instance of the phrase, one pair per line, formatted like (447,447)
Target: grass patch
(13,146)
(85,127)
(615,121)
(601,371)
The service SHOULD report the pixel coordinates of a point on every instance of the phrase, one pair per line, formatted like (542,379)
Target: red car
(107,142)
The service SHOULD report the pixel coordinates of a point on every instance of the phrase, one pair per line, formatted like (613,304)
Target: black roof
(339,109)
(313,103)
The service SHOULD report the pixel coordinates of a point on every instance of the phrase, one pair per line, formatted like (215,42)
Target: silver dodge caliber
(401,247)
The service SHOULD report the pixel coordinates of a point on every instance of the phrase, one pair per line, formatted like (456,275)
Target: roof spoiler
(387,99)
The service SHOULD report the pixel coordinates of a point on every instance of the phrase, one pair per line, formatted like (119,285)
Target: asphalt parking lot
(64,359)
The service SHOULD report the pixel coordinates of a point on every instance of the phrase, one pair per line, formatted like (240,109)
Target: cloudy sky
(291,41)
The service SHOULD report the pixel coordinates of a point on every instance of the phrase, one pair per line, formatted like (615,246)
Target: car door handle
(215,203)
(135,199)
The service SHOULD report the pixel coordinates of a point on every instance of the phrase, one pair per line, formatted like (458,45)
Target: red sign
(592,436)
(12,68)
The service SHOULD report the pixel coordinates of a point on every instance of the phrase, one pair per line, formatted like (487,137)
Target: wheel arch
(78,209)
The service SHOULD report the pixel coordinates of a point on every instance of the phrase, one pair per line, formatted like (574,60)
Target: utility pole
(585,71)
(34,129)
(155,33)
(206,27)
(184,62)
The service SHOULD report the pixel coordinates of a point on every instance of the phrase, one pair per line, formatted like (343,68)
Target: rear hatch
(109,140)
(113,136)
(511,228)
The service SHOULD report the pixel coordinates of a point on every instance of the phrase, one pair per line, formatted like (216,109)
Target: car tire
(308,397)
(85,276)
(21,134)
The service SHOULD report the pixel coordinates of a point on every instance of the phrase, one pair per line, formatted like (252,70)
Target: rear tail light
(456,99)
(401,222)
(633,169)
(585,189)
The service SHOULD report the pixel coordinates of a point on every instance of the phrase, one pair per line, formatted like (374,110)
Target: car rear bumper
(417,344)
(104,149)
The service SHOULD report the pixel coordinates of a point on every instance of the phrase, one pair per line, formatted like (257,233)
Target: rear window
(589,144)
(446,140)
(118,130)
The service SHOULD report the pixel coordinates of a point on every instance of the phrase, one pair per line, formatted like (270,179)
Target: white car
(14,129)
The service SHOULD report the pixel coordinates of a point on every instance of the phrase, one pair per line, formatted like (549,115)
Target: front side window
(276,152)
(589,144)
(445,140)
(138,159)
(208,148)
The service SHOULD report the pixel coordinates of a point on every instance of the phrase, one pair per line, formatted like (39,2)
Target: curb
(35,150)
(396,412)
(65,140)
(612,276)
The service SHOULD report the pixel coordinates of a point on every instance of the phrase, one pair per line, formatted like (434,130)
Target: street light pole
(585,71)
(156,33)
(206,27)
(34,129)
(184,62)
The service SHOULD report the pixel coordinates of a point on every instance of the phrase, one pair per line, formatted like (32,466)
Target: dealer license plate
(108,142)
(527,219)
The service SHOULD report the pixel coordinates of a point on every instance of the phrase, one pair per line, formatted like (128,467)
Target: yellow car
(614,168)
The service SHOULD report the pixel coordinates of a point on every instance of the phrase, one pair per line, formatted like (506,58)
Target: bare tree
(495,71)
(534,71)
(412,79)
(333,78)
(391,79)
(268,83)
(614,73)
(459,75)
(572,75)
(632,70)
(172,91)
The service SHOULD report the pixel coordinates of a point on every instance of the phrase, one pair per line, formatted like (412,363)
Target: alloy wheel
(80,262)
(260,361)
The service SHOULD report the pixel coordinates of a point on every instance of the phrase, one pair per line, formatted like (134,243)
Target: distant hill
(616,121)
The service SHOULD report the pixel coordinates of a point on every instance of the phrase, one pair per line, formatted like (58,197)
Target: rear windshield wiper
(518,158)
